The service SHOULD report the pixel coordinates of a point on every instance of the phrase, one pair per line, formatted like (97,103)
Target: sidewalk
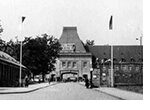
(30,88)
(122,94)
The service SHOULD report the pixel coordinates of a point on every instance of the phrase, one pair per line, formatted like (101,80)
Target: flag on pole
(137,38)
(23,18)
(111,23)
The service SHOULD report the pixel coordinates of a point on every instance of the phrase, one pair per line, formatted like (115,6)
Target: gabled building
(9,71)
(74,60)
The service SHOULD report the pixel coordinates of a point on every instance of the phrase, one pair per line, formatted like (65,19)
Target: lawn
(137,89)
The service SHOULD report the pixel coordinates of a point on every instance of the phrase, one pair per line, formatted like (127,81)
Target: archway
(69,76)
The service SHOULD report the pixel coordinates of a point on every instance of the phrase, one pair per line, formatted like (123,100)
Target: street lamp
(91,70)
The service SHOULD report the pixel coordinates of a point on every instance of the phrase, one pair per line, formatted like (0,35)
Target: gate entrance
(69,75)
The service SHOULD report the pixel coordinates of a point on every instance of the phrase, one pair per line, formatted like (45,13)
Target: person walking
(49,80)
(26,81)
(86,82)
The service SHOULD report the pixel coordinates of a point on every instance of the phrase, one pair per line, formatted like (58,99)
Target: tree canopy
(1,29)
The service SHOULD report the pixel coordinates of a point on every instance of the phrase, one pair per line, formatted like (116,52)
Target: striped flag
(23,18)
(111,23)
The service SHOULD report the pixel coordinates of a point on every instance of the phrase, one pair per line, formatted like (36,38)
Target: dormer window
(132,60)
(123,60)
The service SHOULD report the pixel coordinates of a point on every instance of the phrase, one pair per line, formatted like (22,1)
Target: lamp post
(91,70)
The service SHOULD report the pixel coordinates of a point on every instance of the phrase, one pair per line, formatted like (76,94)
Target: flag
(23,18)
(111,23)
(137,39)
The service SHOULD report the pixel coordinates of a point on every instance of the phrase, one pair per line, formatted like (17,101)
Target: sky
(90,16)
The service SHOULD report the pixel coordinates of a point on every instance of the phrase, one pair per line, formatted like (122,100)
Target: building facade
(74,60)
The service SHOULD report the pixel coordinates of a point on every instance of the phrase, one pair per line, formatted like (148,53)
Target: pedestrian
(49,80)
(86,82)
(26,81)
(39,81)
(91,83)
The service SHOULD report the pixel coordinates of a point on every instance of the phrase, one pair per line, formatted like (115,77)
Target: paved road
(62,91)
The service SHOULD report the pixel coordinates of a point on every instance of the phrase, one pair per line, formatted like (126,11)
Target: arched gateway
(69,75)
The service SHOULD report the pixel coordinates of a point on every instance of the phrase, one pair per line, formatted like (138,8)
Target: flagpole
(20,55)
(112,72)
(21,36)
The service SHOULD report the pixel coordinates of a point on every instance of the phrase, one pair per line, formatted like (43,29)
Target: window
(74,65)
(69,64)
(123,60)
(116,68)
(125,68)
(137,69)
(63,64)
(130,68)
(132,59)
(84,64)
(140,60)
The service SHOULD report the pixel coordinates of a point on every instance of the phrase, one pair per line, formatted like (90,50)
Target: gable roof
(70,35)
(7,58)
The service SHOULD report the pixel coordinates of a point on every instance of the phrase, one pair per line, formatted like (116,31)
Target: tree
(1,29)
(2,42)
(40,53)
(90,42)
(12,48)
(87,45)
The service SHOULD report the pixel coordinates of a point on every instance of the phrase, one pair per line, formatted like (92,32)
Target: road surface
(60,91)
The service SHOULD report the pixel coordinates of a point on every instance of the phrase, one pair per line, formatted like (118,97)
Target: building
(74,60)
(9,71)
(127,64)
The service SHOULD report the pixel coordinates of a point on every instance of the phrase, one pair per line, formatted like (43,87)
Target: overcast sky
(90,16)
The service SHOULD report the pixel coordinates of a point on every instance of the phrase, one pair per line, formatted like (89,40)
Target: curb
(95,89)
(119,98)
(35,89)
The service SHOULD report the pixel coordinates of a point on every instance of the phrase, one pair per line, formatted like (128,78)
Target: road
(61,91)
